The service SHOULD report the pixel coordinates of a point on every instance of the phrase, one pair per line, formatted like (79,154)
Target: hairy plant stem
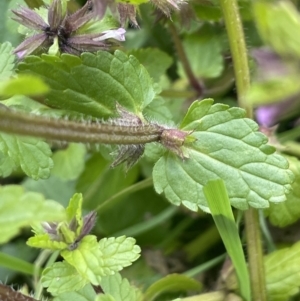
(242,77)
(255,255)
(194,82)
(71,131)
(238,51)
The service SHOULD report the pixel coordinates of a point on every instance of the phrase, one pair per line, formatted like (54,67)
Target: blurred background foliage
(173,239)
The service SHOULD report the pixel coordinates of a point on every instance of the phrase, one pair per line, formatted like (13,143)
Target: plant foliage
(127,108)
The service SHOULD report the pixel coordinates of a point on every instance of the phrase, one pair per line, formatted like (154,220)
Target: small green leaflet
(118,253)
(20,209)
(119,288)
(93,83)
(31,154)
(74,212)
(282,273)
(43,241)
(227,146)
(85,294)
(288,212)
(6,61)
(93,260)
(62,277)
(86,259)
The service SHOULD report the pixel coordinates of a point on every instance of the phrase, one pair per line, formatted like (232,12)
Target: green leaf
(119,288)
(74,215)
(23,85)
(62,277)
(6,61)
(44,241)
(205,52)
(219,205)
(20,209)
(93,261)
(118,253)
(278,24)
(87,259)
(93,83)
(171,283)
(102,297)
(85,294)
(196,111)
(74,208)
(282,273)
(288,212)
(154,60)
(69,163)
(31,154)
(227,146)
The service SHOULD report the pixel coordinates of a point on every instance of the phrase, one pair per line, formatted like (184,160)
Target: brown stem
(194,82)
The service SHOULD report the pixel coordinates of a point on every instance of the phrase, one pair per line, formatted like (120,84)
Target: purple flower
(60,32)
(270,115)
(270,66)
(89,221)
(117,34)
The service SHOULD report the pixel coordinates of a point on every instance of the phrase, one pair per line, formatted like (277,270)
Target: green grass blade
(16,264)
(143,227)
(219,205)
(204,266)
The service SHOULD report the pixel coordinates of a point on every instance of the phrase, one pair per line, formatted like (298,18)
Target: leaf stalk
(118,131)
(71,131)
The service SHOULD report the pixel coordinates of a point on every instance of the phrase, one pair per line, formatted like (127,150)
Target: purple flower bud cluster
(62,28)
(52,229)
